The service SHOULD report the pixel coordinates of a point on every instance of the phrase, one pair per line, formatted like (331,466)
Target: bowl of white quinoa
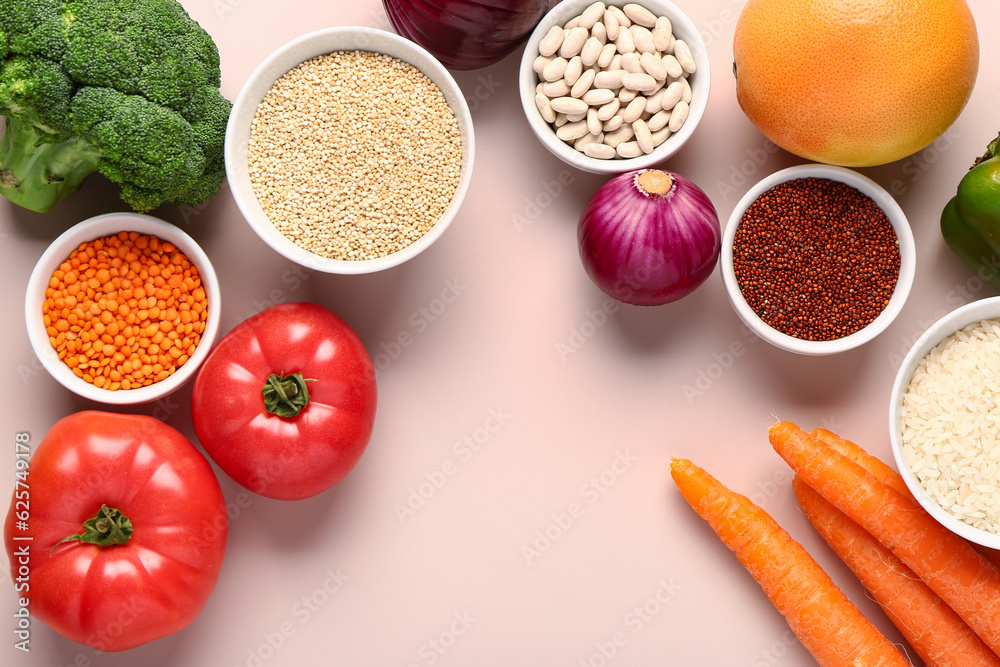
(944,421)
(610,87)
(350,150)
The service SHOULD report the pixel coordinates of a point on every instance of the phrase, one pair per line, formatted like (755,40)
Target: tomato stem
(108,528)
(286,395)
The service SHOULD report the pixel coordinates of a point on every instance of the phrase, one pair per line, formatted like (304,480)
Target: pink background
(573,406)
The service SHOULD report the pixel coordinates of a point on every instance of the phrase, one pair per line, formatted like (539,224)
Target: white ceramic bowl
(907,252)
(291,55)
(99,227)
(984,309)
(683,28)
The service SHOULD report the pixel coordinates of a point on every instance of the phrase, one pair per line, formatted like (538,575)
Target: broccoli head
(127,88)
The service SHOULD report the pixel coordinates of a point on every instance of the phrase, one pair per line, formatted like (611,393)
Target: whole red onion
(467,34)
(649,237)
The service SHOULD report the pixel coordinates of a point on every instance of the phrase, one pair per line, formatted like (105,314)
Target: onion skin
(467,34)
(649,249)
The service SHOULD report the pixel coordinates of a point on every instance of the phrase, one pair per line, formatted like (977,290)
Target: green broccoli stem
(35,174)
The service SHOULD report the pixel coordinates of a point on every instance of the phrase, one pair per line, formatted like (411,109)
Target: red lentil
(816,258)
(125,311)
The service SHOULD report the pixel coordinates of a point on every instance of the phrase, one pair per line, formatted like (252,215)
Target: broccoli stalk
(128,88)
(36,174)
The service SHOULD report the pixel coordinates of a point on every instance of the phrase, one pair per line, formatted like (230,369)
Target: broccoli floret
(128,87)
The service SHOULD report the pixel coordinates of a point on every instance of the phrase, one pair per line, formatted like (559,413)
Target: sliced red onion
(649,237)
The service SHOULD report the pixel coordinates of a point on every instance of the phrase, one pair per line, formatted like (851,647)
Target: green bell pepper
(970,222)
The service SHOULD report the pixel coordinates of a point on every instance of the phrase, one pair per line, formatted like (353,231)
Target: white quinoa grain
(354,155)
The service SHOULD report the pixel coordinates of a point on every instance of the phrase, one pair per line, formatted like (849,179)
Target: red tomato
(285,403)
(156,493)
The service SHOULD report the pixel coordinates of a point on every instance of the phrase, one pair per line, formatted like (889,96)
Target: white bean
(555,69)
(584,83)
(591,51)
(569,105)
(643,39)
(573,42)
(588,138)
(573,70)
(609,79)
(672,94)
(661,135)
(662,32)
(615,137)
(678,116)
(600,33)
(623,20)
(594,124)
(628,149)
(573,131)
(640,15)
(540,63)
(600,151)
(611,26)
(684,57)
(551,42)
(630,63)
(658,120)
(643,137)
(545,108)
(607,56)
(598,97)
(624,42)
(626,95)
(560,120)
(574,117)
(555,88)
(640,82)
(654,102)
(634,110)
(686,94)
(653,66)
(607,111)
(592,15)
(672,66)
(613,123)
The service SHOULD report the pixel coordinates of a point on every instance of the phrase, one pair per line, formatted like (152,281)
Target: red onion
(467,34)
(649,237)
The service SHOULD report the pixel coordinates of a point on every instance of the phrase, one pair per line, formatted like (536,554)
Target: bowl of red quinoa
(943,421)
(350,150)
(122,308)
(817,259)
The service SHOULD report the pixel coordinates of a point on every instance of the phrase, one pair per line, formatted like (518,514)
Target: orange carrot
(883,473)
(960,575)
(828,624)
(938,635)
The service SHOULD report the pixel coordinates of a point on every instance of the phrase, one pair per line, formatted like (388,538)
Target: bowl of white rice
(944,421)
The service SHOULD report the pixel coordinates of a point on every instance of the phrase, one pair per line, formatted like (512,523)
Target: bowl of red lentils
(350,150)
(122,308)
(817,259)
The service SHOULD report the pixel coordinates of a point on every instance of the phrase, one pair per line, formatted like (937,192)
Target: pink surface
(514,506)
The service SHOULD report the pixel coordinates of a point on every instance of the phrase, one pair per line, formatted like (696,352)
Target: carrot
(827,623)
(883,473)
(959,574)
(938,635)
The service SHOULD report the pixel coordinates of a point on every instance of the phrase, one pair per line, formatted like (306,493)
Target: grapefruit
(854,83)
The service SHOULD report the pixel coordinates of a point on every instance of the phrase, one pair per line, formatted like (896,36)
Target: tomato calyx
(108,528)
(286,395)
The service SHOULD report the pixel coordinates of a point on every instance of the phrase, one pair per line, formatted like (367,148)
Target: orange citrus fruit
(854,82)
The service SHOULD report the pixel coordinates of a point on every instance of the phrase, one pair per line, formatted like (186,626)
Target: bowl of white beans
(610,87)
